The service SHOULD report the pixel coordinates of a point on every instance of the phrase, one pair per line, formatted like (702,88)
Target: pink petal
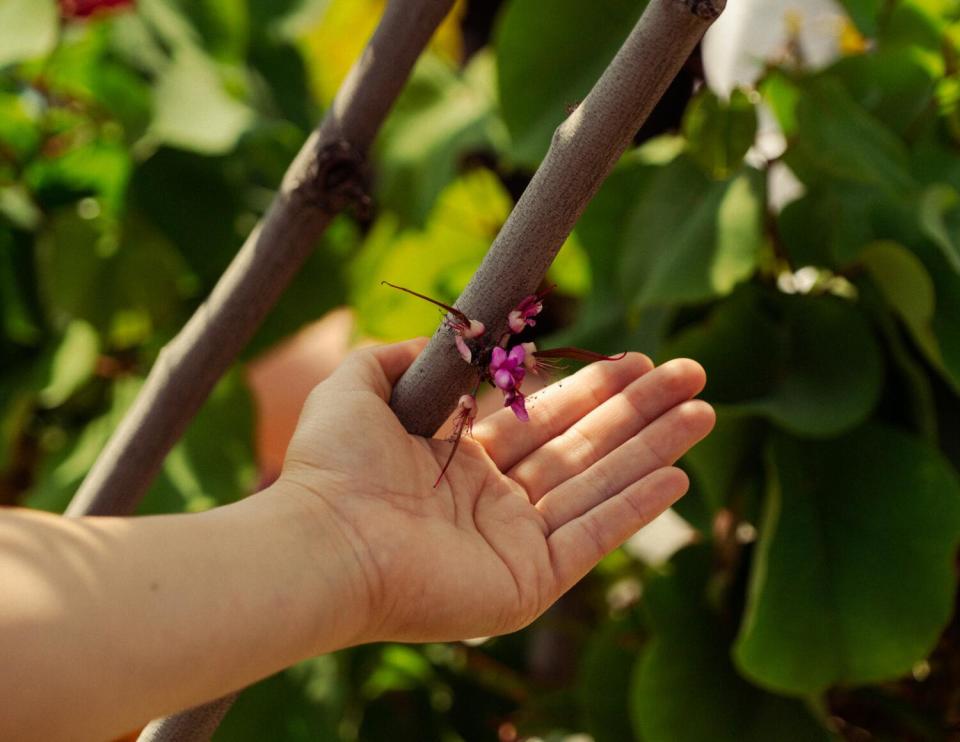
(475,329)
(503,379)
(465,353)
(518,407)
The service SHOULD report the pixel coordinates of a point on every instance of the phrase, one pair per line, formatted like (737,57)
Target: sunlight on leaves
(437,261)
(193,110)
(28,29)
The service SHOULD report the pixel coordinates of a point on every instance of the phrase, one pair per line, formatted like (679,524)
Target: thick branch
(324,177)
(584,150)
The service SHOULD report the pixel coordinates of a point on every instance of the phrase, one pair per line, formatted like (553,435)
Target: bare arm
(108,622)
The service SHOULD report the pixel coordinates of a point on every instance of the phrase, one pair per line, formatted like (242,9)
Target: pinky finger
(579,544)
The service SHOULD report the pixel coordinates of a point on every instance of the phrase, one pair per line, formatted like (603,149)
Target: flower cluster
(507,371)
(503,363)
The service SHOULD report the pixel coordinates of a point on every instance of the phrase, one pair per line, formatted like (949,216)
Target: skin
(108,622)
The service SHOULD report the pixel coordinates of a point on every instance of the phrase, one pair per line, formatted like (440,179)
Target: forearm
(107,622)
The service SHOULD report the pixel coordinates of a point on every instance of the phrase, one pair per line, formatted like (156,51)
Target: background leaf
(809,364)
(549,53)
(685,686)
(28,29)
(822,610)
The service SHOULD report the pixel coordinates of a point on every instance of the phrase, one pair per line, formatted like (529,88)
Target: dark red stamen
(453,310)
(577,354)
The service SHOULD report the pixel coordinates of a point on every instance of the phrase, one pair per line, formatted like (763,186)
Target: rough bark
(584,149)
(324,177)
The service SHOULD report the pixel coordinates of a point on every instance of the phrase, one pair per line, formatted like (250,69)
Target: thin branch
(323,179)
(584,150)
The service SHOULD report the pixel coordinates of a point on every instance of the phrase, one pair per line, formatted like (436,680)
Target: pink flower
(464,331)
(523,315)
(515,401)
(463,327)
(530,357)
(507,369)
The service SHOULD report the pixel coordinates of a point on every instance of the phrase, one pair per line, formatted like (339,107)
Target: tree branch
(324,177)
(584,150)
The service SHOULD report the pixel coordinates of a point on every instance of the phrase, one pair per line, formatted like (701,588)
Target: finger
(377,368)
(658,445)
(556,408)
(578,545)
(608,426)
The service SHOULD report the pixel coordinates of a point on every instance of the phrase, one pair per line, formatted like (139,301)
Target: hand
(523,512)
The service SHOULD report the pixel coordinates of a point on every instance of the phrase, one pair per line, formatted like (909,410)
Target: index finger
(554,409)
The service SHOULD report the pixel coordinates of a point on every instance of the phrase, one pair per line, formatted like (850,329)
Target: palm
(524,510)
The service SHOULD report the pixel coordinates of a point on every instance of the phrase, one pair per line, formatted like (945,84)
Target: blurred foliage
(139,145)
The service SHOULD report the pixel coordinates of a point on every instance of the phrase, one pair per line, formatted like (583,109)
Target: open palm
(523,512)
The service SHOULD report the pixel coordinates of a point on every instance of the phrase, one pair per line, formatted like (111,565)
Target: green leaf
(86,74)
(72,364)
(28,29)
(114,281)
(894,85)
(549,55)
(811,232)
(223,25)
(604,677)
(18,208)
(946,320)
(864,14)
(441,116)
(20,315)
(690,238)
(940,220)
(906,285)
(854,576)
(193,110)
(437,261)
(213,464)
(725,457)
(810,364)
(836,138)
(97,170)
(68,456)
(200,215)
(685,688)
(719,133)
(782,94)
(19,131)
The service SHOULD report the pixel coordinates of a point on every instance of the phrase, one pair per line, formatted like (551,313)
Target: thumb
(378,368)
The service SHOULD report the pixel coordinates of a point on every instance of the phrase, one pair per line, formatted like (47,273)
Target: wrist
(336,601)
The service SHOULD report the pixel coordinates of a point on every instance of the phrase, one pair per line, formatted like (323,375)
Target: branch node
(335,180)
(707,9)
